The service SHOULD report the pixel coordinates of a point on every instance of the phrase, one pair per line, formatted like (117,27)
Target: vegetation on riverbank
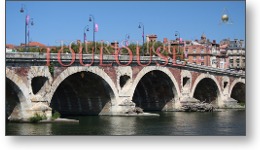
(55,115)
(37,118)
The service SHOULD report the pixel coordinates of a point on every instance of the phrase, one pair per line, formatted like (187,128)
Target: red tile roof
(36,44)
(11,46)
(223,46)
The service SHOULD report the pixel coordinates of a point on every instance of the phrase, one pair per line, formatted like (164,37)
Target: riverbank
(60,120)
(145,114)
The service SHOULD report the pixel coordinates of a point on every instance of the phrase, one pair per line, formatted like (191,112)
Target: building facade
(236,54)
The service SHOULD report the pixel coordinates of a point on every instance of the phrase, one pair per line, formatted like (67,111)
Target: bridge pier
(23,111)
(229,102)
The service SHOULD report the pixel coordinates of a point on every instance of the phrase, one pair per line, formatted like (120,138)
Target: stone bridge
(111,90)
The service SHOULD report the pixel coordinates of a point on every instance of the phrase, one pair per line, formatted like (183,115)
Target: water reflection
(28,129)
(227,122)
(121,125)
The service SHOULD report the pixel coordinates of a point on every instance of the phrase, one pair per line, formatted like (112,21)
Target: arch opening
(238,92)
(123,80)
(11,97)
(206,91)
(155,92)
(82,93)
(37,83)
(185,81)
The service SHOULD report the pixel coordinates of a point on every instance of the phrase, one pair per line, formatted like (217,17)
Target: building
(151,38)
(219,58)
(10,48)
(236,54)
(198,52)
(115,45)
(176,47)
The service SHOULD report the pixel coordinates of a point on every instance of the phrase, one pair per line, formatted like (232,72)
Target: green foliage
(33,49)
(37,117)
(51,68)
(152,46)
(108,49)
(55,115)
(242,104)
(75,47)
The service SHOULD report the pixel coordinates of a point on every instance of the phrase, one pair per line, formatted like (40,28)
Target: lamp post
(85,35)
(91,17)
(141,25)
(127,37)
(28,22)
(177,33)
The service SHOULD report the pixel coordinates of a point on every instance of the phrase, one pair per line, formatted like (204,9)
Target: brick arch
(204,76)
(234,83)
(148,69)
(72,70)
(40,71)
(22,92)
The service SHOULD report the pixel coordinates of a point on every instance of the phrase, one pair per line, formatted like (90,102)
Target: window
(231,61)
(194,50)
(237,60)
(202,57)
(202,63)
(194,57)
(214,61)
(202,51)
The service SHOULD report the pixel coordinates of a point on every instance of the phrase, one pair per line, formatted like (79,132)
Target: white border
(159,142)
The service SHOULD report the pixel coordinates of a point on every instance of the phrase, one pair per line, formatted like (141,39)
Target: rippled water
(226,122)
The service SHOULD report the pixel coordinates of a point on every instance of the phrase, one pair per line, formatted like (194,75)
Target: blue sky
(65,20)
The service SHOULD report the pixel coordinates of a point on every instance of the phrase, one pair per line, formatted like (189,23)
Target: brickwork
(22,77)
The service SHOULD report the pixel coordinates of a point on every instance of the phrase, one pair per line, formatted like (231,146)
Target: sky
(66,20)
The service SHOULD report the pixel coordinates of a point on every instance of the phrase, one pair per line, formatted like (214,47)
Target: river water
(225,122)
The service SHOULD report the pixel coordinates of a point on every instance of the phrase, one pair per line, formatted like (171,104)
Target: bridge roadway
(115,89)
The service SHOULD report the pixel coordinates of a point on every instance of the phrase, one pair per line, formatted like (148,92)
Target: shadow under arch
(14,99)
(238,92)
(155,91)
(83,93)
(206,89)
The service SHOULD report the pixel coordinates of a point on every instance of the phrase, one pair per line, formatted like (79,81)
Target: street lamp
(177,33)
(127,37)
(85,35)
(28,22)
(91,17)
(141,24)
